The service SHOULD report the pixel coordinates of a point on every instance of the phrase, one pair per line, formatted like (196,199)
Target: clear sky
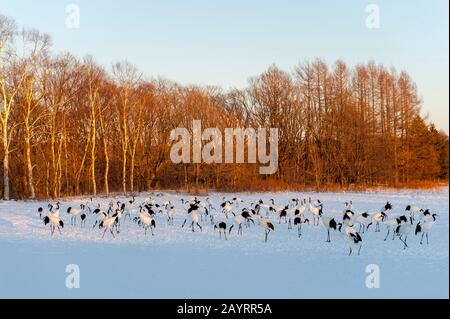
(225,42)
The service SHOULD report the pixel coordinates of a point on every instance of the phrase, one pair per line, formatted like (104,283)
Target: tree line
(69,126)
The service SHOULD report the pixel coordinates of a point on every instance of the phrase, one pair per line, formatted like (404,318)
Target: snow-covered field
(177,263)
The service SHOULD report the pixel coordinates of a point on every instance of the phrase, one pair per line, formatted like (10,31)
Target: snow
(177,263)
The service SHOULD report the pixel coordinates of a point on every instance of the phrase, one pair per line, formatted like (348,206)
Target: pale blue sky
(225,42)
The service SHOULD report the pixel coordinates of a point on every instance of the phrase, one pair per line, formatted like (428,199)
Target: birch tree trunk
(93,140)
(77,187)
(105,151)
(29,164)
(5,172)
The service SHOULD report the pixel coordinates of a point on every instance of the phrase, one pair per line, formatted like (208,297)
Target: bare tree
(128,78)
(35,47)
(9,89)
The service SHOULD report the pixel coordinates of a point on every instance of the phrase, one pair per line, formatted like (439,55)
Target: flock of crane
(234,214)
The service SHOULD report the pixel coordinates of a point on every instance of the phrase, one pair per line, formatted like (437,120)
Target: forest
(70,126)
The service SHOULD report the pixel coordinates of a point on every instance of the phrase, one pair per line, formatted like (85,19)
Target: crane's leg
(388,232)
(404,242)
